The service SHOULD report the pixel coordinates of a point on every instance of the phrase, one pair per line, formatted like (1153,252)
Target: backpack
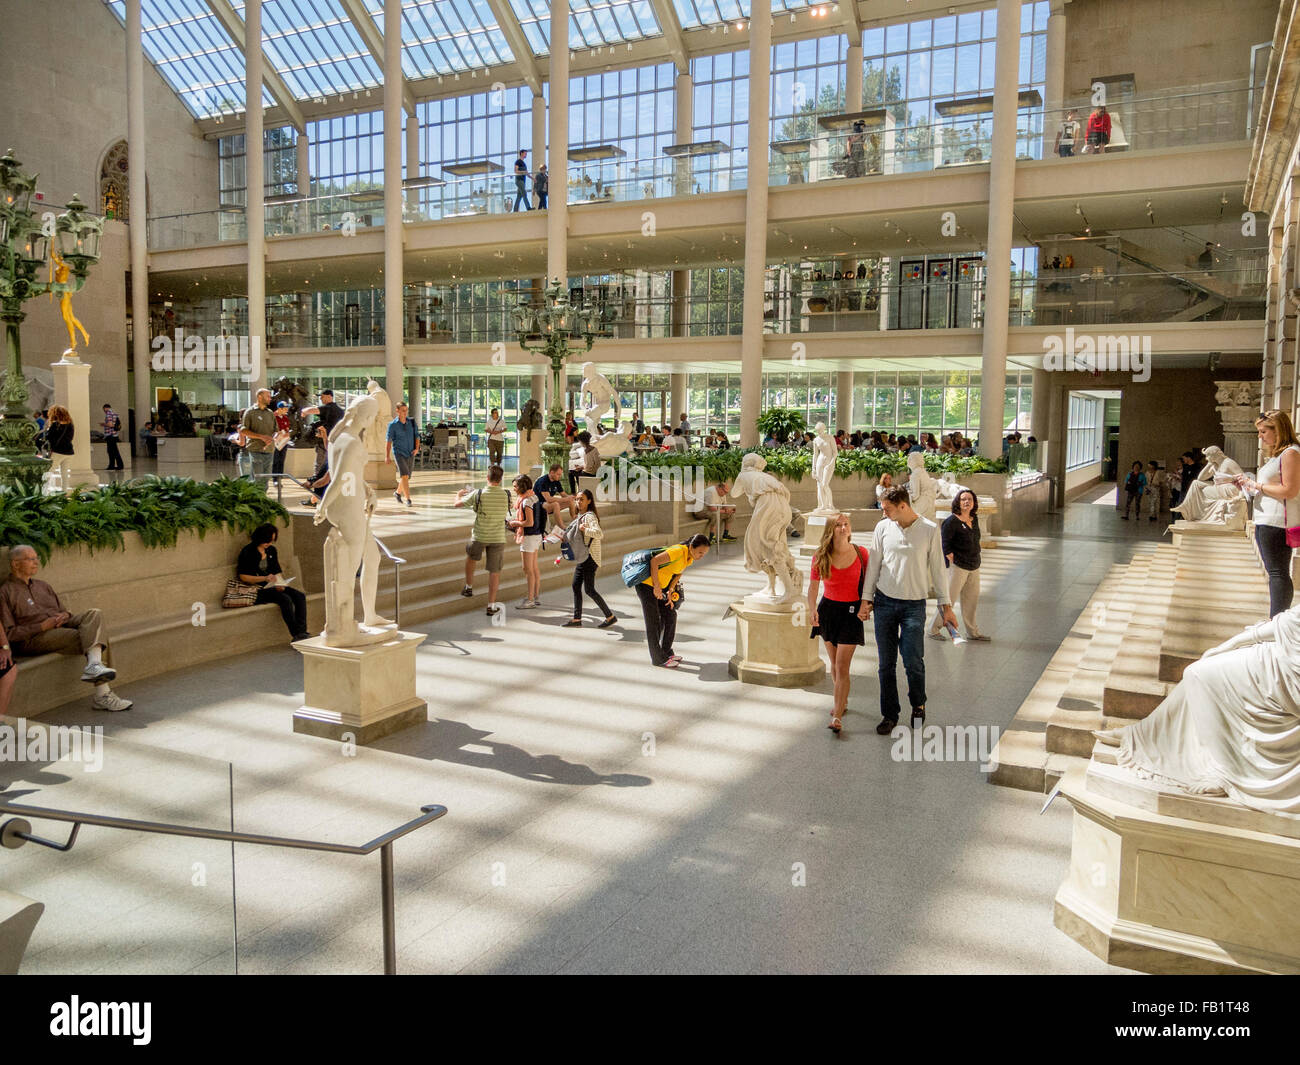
(573,545)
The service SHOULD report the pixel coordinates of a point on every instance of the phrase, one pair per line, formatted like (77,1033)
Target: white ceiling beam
(525,61)
(234,27)
(373,39)
(851,20)
(672,30)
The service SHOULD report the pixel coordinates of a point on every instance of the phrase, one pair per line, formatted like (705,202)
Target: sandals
(835,725)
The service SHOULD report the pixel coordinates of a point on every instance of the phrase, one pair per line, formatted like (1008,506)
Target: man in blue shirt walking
(403,445)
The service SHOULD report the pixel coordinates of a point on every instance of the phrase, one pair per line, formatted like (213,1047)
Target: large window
(488,126)
(1084,432)
(347,153)
(630,109)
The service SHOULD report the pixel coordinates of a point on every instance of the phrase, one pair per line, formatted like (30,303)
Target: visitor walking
(496,437)
(904,563)
(1135,486)
(491,505)
(529,523)
(259,564)
(960,536)
(842,566)
(584,536)
(112,427)
(541,186)
(282,429)
(521,182)
(402,445)
(660,594)
(1274,490)
(1156,481)
(258,428)
(59,432)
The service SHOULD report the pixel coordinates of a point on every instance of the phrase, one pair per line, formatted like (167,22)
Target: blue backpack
(636,565)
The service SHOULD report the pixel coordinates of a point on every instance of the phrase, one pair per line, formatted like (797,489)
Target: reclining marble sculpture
(1231,726)
(1215,503)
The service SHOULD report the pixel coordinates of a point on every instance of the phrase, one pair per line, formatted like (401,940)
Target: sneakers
(98,674)
(408,501)
(397,496)
(727,538)
(110,701)
(937,636)
(467,591)
(524,604)
(493,609)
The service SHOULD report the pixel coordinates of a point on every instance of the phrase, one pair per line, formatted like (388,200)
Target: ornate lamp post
(555,330)
(24,250)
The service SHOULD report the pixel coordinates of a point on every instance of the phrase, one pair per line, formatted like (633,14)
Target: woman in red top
(837,618)
(1098,129)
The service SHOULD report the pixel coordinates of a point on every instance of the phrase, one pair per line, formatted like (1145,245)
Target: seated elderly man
(37,624)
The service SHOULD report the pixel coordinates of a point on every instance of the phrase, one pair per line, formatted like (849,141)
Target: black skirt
(838,622)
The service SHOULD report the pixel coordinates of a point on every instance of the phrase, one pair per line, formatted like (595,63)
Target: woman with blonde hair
(1274,489)
(842,566)
(59,432)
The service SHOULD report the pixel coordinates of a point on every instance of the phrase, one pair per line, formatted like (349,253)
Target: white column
(1054,76)
(557,161)
(844,400)
(676,398)
(302,150)
(539,130)
(413,159)
(255,211)
(853,75)
(416,401)
(1040,415)
(137,209)
(680,280)
(1002,188)
(394,360)
(751,340)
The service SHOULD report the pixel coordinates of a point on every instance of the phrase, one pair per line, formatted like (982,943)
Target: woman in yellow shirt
(658,606)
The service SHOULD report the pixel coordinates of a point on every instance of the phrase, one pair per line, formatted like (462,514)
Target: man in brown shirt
(37,624)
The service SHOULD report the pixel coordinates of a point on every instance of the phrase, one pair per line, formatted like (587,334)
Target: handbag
(238,594)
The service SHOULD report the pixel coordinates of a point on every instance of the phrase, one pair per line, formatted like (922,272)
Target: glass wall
(1083,437)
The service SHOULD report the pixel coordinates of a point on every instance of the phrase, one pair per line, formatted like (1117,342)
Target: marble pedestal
(381,474)
(1165,882)
(368,692)
(773,646)
(300,462)
(180,451)
(72,390)
(530,451)
(1199,531)
(814,526)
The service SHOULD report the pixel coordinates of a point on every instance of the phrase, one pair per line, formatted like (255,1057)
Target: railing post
(390,924)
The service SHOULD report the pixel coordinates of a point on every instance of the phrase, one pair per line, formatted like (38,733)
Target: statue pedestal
(300,462)
(773,646)
(381,474)
(179,451)
(368,691)
(814,526)
(1166,882)
(72,390)
(530,451)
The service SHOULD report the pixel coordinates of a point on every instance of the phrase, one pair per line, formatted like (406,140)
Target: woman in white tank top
(1277,509)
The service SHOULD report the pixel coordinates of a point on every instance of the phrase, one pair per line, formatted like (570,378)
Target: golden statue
(60,272)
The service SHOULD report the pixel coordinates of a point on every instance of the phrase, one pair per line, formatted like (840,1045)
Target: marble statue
(612,444)
(348,504)
(921,486)
(766,550)
(603,397)
(824,453)
(948,488)
(530,418)
(1231,726)
(1212,497)
(376,441)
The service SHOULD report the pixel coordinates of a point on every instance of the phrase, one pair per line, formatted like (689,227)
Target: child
(1134,486)
(1155,488)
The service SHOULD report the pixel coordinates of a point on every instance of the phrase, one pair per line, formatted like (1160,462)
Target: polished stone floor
(604,815)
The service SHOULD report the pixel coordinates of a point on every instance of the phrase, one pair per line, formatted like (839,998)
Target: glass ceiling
(443,37)
(592,23)
(313,45)
(696,13)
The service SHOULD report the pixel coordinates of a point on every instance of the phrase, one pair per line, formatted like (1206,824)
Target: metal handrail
(398,563)
(15,833)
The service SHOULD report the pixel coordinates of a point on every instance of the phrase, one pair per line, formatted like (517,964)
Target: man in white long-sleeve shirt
(905,563)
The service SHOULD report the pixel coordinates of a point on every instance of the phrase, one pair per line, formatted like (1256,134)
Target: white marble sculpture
(347,505)
(921,486)
(1211,498)
(604,397)
(375,441)
(1231,726)
(766,550)
(824,452)
(948,488)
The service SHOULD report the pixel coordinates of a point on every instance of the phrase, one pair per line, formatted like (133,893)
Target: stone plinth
(180,450)
(381,474)
(1199,531)
(773,646)
(367,692)
(1165,882)
(72,390)
(814,527)
(530,451)
(300,462)
(1238,407)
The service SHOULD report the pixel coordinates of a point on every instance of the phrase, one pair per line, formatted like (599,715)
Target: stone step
(1132,688)
(1019,761)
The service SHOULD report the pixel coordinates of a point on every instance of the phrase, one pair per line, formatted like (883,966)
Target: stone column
(853,75)
(255,210)
(413,160)
(394,318)
(557,160)
(539,130)
(72,391)
(137,211)
(679,281)
(1040,416)
(751,341)
(844,400)
(302,151)
(676,398)
(1054,76)
(1238,407)
(1002,187)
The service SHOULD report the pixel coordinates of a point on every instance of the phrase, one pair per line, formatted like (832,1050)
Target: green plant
(158,509)
(780,423)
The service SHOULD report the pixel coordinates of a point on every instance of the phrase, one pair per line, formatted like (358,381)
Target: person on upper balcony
(1098,129)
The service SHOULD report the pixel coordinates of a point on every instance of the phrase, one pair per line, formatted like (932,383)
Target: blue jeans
(900,625)
(1276,556)
(254,462)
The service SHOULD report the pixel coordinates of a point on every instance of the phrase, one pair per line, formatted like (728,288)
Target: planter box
(180,450)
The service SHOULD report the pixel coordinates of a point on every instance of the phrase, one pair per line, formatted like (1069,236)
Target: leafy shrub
(159,509)
(795,463)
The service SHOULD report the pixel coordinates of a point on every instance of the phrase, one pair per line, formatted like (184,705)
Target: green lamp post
(556,329)
(25,237)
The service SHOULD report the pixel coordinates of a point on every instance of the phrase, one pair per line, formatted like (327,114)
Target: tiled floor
(605,816)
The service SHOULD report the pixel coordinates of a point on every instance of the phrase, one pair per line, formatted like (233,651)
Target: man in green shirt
(258,428)
(491,505)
